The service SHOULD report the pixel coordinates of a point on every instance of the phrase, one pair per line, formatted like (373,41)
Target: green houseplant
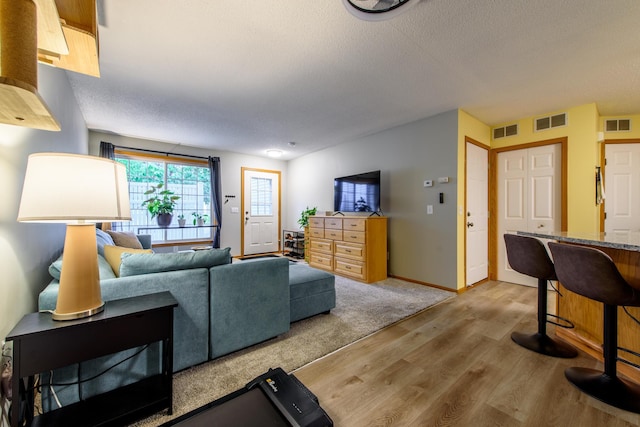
(304,216)
(199,219)
(160,204)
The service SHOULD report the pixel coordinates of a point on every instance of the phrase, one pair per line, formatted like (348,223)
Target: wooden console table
(587,314)
(41,344)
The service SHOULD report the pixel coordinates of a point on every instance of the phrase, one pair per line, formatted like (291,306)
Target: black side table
(41,344)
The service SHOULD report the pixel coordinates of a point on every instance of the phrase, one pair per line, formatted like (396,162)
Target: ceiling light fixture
(274,153)
(377,10)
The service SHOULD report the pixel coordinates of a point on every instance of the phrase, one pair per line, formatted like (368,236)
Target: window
(261,197)
(189,179)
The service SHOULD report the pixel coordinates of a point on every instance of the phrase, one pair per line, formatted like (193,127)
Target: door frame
(603,166)
(244,169)
(468,140)
(493,193)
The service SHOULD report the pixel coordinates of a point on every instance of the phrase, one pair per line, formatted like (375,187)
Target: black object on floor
(272,399)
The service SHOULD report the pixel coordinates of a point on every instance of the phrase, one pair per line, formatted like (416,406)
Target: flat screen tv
(357,193)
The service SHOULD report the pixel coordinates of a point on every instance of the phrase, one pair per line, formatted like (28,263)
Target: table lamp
(76,190)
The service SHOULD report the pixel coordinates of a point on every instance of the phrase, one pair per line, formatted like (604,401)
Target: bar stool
(528,256)
(591,273)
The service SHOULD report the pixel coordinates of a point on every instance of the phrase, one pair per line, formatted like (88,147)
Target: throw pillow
(113,254)
(104,269)
(135,264)
(102,239)
(125,239)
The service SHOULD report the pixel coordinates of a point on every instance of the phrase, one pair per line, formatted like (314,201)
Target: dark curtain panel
(216,198)
(107,150)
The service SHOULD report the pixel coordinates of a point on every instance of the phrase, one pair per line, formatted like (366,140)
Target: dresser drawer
(351,268)
(355,251)
(333,223)
(353,236)
(316,222)
(321,261)
(332,234)
(354,224)
(316,232)
(319,245)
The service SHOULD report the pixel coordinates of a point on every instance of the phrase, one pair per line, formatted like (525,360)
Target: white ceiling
(248,75)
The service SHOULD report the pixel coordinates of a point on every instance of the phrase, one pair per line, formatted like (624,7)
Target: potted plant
(199,219)
(181,221)
(304,223)
(160,204)
(304,216)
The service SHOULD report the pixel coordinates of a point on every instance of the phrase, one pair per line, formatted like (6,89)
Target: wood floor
(455,365)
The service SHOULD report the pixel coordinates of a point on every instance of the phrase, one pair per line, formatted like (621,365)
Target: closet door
(529,198)
(622,181)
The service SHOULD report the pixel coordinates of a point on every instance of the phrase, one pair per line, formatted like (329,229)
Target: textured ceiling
(248,75)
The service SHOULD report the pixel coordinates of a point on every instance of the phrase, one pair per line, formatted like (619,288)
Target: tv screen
(357,193)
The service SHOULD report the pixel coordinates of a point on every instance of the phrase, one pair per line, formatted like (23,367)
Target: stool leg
(541,342)
(606,386)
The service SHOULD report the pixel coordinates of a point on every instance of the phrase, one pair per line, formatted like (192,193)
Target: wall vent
(544,123)
(504,131)
(617,125)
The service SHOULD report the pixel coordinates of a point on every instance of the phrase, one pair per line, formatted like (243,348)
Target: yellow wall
(582,127)
(583,155)
(468,126)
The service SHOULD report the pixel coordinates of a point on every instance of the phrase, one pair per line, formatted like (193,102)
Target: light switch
(429,209)
(235,210)
(428,183)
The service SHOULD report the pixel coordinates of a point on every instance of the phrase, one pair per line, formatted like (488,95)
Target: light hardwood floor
(455,365)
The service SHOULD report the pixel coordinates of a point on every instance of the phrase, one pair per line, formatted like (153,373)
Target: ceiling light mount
(377,10)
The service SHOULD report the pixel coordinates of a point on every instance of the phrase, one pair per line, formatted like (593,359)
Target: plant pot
(200,222)
(164,220)
(182,222)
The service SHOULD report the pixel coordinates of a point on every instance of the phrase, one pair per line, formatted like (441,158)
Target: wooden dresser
(352,246)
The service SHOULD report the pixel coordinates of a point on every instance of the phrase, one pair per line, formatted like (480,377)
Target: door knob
(469,224)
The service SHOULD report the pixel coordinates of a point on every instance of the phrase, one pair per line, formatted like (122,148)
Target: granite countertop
(629,241)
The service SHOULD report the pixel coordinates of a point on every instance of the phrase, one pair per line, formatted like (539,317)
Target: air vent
(544,123)
(509,130)
(617,125)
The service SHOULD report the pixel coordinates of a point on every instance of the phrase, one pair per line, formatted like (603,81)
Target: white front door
(529,198)
(622,186)
(261,211)
(477,216)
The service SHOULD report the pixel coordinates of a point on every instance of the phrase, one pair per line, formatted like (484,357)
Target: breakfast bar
(586,314)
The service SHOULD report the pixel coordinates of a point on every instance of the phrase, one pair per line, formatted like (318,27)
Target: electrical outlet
(428,183)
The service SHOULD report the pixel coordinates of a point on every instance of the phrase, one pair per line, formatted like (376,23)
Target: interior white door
(529,198)
(477,219)
(261,202)
(622,183)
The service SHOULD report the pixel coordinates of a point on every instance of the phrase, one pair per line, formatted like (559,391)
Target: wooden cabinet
(352,246)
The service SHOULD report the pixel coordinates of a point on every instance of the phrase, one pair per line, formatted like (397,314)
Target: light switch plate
(428,183)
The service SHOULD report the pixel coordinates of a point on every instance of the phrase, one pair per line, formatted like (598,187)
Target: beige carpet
(361,310)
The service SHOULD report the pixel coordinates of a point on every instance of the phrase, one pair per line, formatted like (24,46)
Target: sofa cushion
(305,281)
(104,269)
(102,239)
(126,239)
(113,255)
(140,263)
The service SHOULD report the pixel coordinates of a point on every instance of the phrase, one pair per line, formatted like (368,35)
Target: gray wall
(26,250)
(230,168)
(422,247)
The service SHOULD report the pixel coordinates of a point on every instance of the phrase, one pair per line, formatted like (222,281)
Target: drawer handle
(354,237)
(347,267)
(348,251)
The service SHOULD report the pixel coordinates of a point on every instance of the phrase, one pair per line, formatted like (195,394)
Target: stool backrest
(591,273)
(528,256)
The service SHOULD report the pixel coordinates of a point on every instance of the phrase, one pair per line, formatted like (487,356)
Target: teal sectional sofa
(222,307)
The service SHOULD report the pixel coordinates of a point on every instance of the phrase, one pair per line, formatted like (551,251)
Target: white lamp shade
(60,187)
